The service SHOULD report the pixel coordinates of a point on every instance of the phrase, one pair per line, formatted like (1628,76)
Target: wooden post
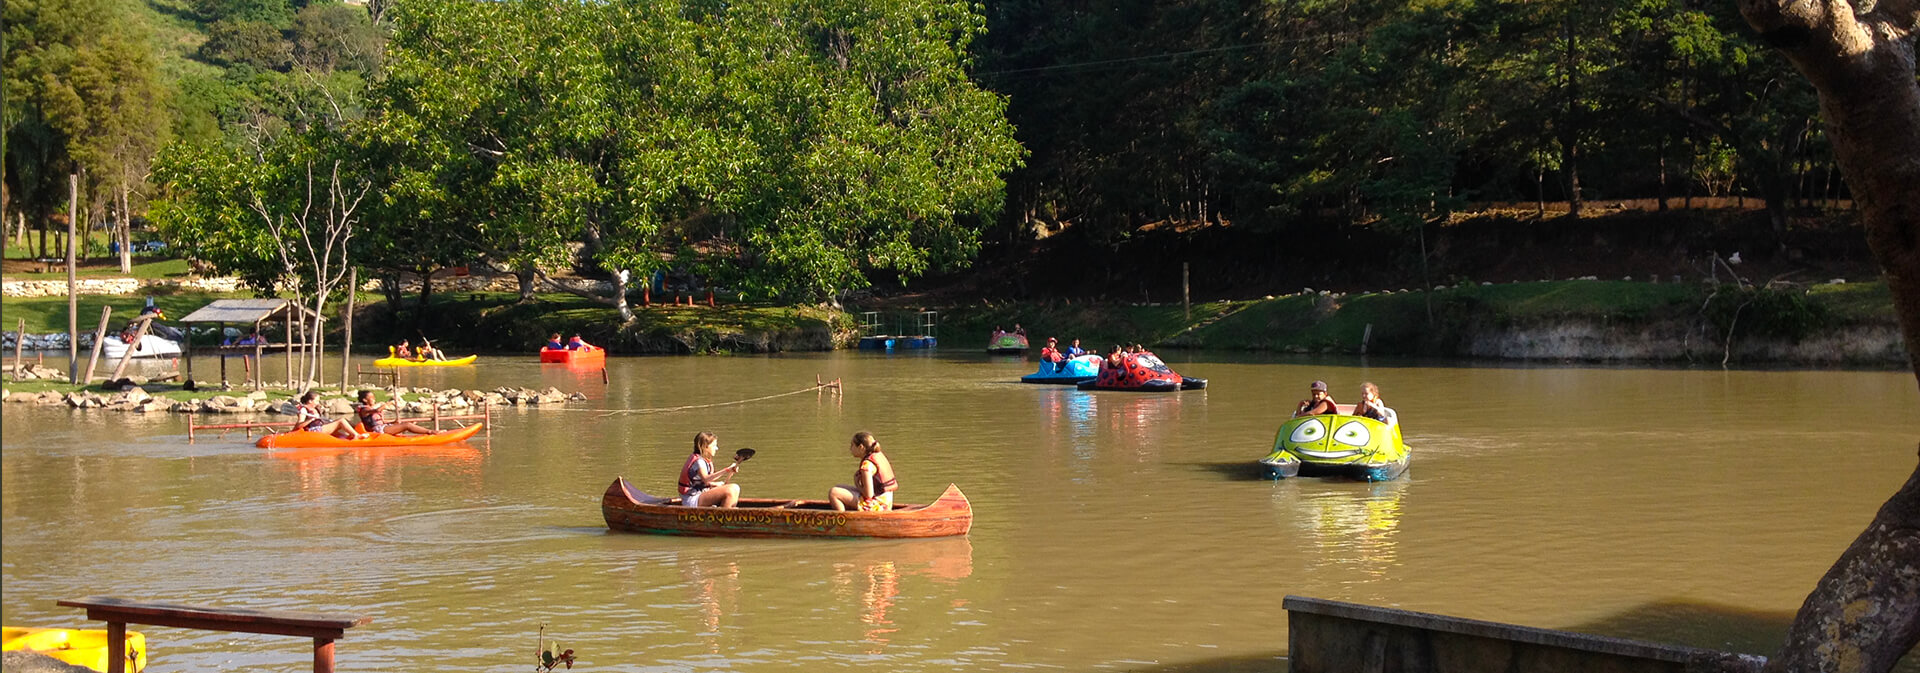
(19,341)
(73,298)
(346,346)
(116,647)
(1186,298)
(291,313)
(138,334)
(255,369)
(322,655)
(436,416)
(99,342)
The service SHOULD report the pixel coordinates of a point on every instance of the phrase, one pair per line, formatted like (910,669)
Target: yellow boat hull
(400,362)
(80,647)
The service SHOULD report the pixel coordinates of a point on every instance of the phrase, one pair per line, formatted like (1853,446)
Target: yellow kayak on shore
(80,647)
(402,362)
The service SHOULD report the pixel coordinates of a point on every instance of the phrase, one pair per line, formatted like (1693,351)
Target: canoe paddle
(739,457)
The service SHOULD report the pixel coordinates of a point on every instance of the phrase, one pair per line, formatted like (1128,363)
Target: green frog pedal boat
(1337,445)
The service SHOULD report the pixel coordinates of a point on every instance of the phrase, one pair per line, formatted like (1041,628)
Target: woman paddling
(313,419)
(874,482)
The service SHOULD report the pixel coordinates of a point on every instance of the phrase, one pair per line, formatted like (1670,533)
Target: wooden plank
(99,342)
(241,620)
(140,333)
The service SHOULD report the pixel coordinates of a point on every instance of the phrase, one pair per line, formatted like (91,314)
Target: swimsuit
(882,499)
(315,422)
(370,416)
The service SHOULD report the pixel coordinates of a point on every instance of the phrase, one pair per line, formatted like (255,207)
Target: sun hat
(1319,386)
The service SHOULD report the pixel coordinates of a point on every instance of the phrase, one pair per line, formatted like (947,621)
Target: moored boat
(403,362)
(1141,373)
(150,346)
(80,647)
(306,439)
(1007,343)
(1068,371)
(581,356)
(631,510)
(1337,445)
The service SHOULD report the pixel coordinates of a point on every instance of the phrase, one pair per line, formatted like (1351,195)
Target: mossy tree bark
(1864,615)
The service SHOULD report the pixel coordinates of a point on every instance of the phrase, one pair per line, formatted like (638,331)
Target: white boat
(150,347)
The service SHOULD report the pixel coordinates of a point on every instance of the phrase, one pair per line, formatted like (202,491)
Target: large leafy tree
(83,95)
(784,148)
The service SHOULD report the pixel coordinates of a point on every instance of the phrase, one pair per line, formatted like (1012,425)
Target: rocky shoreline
(419,400)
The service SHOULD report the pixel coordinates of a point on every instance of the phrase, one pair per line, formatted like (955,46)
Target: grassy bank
(1442,322)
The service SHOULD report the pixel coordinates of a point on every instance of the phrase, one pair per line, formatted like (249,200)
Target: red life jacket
(879,486)
(690,478)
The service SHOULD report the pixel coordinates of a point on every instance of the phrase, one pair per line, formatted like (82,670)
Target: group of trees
(1278,114)
(782,149)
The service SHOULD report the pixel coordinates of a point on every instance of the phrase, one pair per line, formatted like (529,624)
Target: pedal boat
(631,510)
(306,439)
(1007,343)
(1069,371)
(1337,445)
(1142,373)
(80,647)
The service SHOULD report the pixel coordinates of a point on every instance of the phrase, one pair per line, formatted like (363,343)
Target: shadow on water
(1707,625)
(1274,662)
(1238,470)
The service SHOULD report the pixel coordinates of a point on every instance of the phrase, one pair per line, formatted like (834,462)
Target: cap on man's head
(1319,386)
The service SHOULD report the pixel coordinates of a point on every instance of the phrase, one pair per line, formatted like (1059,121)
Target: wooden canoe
(305,439)
(631,510)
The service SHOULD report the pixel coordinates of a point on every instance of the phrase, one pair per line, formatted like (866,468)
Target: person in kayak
(700,484)
(404,350)
(1075,350)
(312,418)
(554,343)
(1318,402)
(373,417)
(578,344)
(428,352)
(873,483)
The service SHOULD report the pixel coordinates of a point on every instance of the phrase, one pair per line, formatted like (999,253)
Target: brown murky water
(1113,531)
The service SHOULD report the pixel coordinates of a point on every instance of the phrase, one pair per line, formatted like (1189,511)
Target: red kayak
(573,357)
(305,439)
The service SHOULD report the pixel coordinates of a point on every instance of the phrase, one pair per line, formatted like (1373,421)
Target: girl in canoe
(314,419)
(373,417)
(700,484)
(874,482)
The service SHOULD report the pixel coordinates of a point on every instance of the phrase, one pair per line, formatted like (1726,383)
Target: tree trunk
(1864,614)
(525,275)
(426,294)
(125,233)
(1569,130)
(620,295)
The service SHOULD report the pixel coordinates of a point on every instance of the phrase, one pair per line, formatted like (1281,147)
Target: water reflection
(1352,525)
(872,572)
(329,472)
(715,585)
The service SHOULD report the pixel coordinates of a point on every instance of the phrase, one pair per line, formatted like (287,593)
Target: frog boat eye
(1309,432)
(1353,433)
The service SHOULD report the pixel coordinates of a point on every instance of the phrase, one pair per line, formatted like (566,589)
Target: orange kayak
(304,439)
(575,357)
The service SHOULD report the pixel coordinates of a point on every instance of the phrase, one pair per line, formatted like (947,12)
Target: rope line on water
(817,385)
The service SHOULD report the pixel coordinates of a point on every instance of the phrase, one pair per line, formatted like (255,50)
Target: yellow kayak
(80,647)
(401,362)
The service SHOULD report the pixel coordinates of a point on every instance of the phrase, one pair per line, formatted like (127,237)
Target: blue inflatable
(1069,371)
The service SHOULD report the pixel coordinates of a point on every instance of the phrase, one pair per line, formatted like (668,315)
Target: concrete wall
(1334,637)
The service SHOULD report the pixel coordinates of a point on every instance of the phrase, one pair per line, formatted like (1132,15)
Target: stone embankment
(410,400)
